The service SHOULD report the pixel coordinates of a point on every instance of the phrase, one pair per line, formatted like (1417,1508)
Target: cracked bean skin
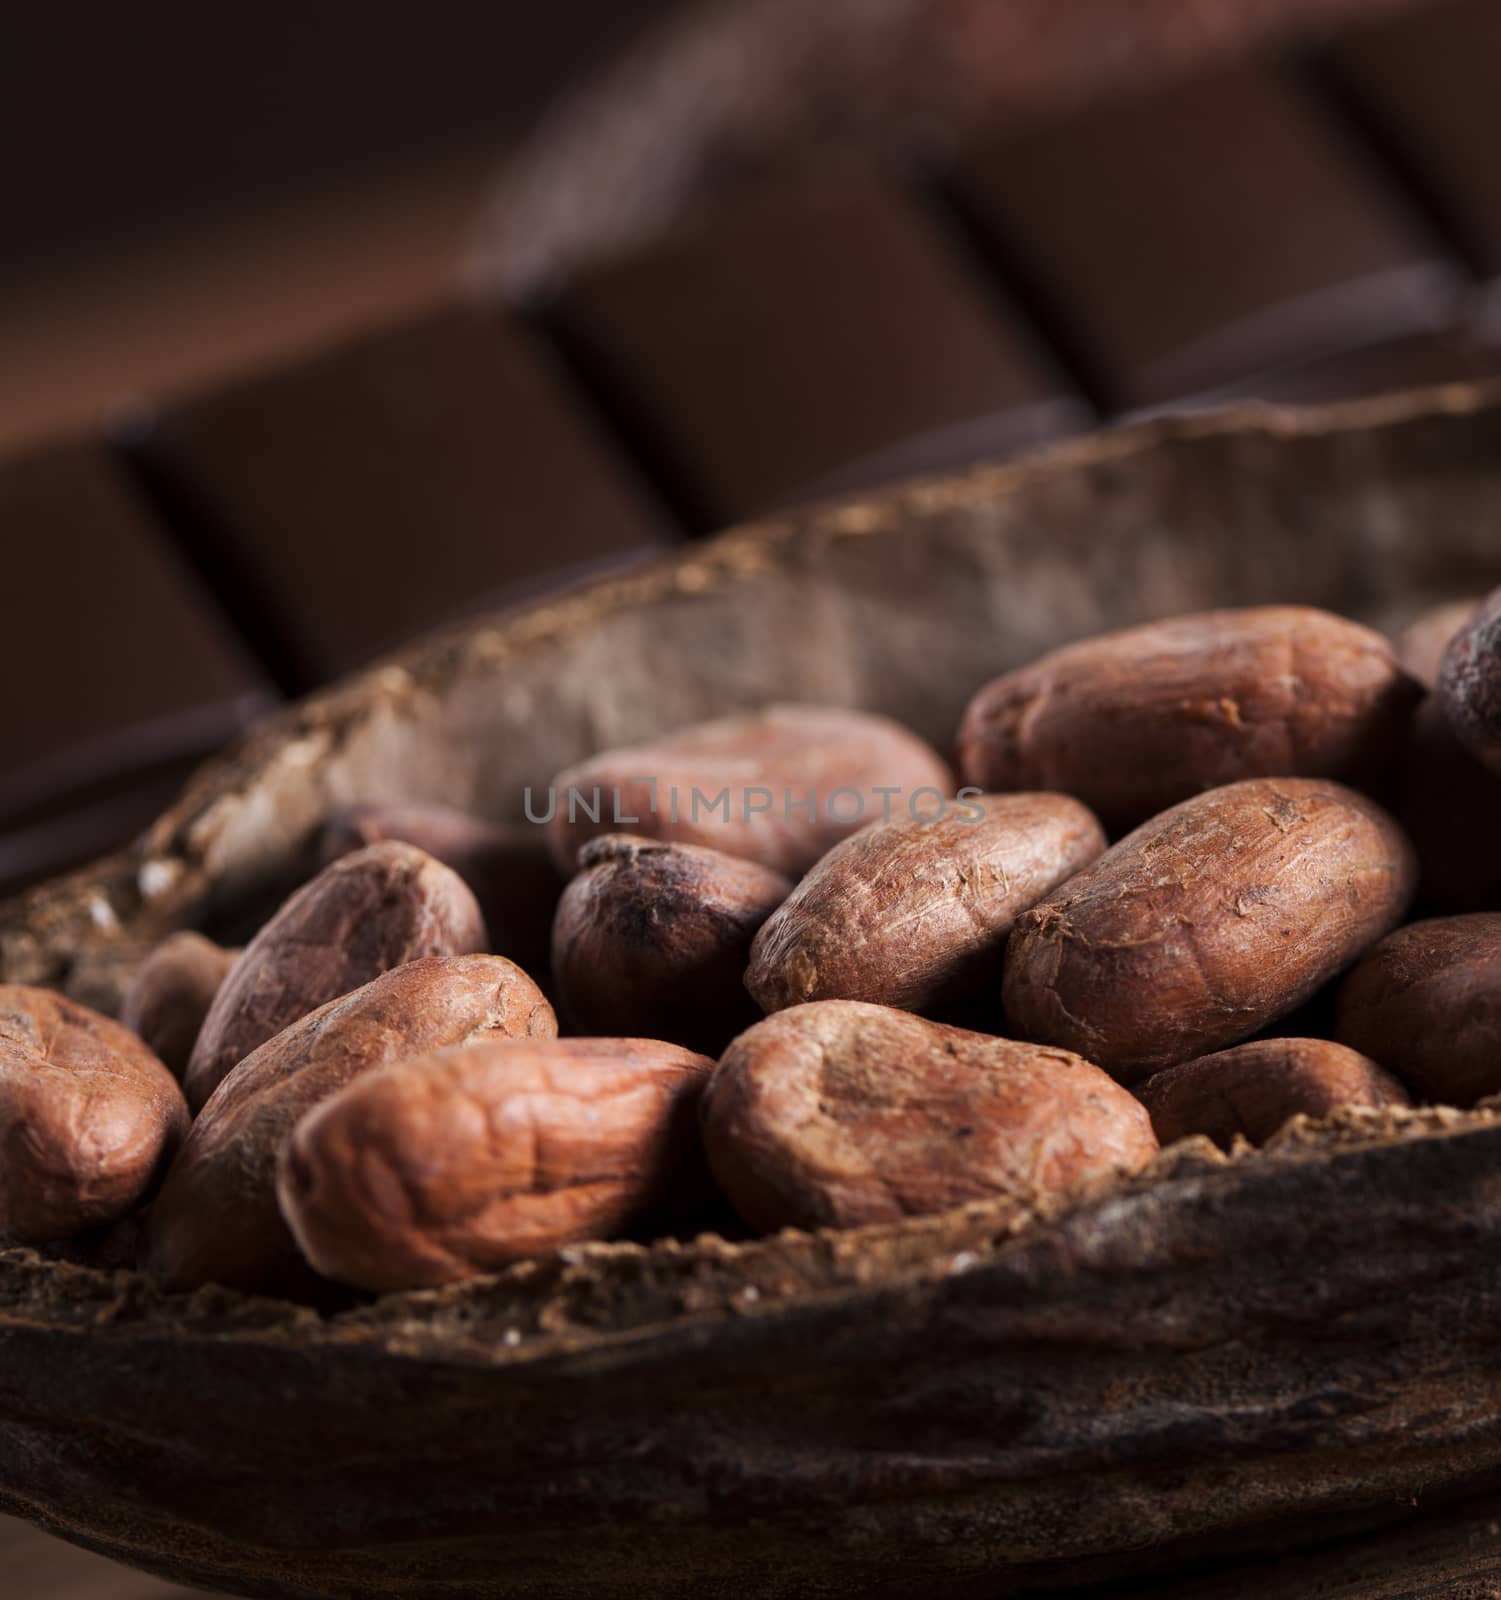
(1428,998)
(449,1165)
(651,940)
(916,914)
(1469,684)
(1135,721)
(373,910)
(1252,1089)
(171,994)
(216,1219)
(838,1113)
(1208,923)
(776,756)
(89,1117)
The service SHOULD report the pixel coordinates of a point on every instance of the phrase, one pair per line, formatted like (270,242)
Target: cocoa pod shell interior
(1222,1356)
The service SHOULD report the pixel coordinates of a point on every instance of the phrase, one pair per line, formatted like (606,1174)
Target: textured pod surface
(1135,721)
(509,868)
(1207,923)
(652,938)
(916,914)
(1252,1089)
(171,994)
(376,909)
(89,1117)
(946,1405)
(1428,998)
(778,786)
(216,1220)
(838,1113)
(1469,683)
(445,1166)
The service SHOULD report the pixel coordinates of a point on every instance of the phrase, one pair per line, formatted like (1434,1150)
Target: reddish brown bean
(1252,1089)
(216,1219)
(1428,998)
(1133,722)
(89,1118)
(448,1165)
(651,940)
(509,868)
(916,914)
(1208,923)
(367,913)
(838,1113)
(171,994)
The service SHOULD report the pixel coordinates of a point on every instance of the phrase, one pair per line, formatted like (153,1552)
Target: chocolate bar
(1427,79)
(121,659)
(821,335)
(442,468)
(1222,227)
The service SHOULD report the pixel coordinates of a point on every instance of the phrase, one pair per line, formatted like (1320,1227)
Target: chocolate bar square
(119,659)
(1192,237)
(822,335)
(1428,79)
(402,479)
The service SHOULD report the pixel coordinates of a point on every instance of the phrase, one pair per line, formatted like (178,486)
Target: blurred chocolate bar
(824,334)
(1286,230)
(122,666)
(1427,79)
(417,475)
(1218,228)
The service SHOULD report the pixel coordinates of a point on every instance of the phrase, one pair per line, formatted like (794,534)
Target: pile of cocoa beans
(795,969)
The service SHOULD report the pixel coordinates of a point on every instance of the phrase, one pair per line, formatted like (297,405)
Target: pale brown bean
(1421,644)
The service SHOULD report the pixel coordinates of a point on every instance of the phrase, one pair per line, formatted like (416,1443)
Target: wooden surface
(37,1567)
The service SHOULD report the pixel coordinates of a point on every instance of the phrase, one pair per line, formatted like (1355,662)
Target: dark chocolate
(400,480)
(824,334)
(1218,228)
(118,660)
(1428,79)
